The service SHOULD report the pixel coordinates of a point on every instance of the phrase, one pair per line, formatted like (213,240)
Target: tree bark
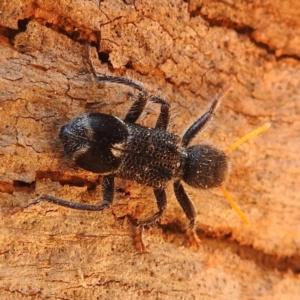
(183,52)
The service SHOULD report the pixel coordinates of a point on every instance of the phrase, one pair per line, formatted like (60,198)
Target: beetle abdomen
(93,141)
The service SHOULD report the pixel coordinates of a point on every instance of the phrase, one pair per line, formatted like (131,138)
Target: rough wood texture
(184,52)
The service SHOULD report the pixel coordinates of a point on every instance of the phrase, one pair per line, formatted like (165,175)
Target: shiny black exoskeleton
(113,147)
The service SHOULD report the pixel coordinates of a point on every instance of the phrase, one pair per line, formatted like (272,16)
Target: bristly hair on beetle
(112,147)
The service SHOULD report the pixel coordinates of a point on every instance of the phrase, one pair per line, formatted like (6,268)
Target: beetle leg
(137,107)
(109,78)
(189,210)
(164,116)
(161,201)
(195,128)
(108,195)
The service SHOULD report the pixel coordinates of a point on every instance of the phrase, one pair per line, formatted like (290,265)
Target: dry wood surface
(183,51)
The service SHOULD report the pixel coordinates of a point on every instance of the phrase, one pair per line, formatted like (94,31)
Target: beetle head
(205,167)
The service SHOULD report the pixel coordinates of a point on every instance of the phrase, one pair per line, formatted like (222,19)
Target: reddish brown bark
(183,52)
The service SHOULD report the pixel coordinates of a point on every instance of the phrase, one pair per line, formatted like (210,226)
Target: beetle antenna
(228,150)
(234,206)
(248,136)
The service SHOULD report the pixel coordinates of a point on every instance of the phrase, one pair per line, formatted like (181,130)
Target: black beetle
(107,145)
